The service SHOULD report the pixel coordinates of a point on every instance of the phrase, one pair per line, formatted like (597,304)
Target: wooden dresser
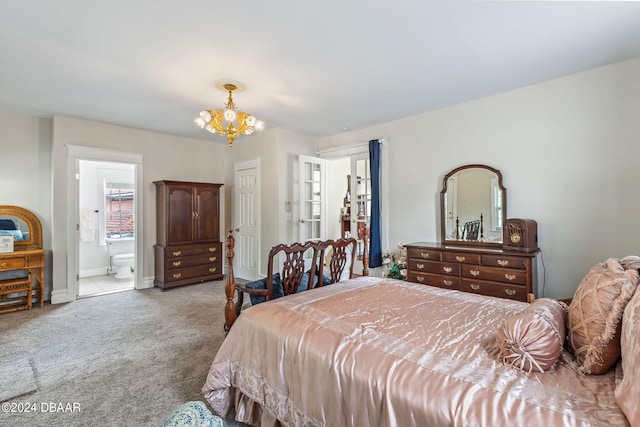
(486,271)
(188,248)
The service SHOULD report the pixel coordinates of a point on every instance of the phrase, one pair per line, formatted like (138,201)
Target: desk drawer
(503,275)
(440,281)
(13,264)
(423,253)
(449,268)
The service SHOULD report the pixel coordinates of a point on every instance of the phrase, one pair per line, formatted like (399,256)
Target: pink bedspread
(382,352)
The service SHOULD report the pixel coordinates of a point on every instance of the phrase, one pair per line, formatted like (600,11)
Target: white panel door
(246,221)
(313,192)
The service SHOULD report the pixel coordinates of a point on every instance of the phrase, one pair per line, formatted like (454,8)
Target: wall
(567,149)
(25,172)
(164,157)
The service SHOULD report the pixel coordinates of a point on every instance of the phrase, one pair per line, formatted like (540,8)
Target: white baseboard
(90,272)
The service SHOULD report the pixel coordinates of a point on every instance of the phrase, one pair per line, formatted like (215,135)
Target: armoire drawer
(183,251)
(192,272)
(188,261)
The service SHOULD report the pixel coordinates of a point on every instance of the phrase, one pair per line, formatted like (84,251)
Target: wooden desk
(31,260)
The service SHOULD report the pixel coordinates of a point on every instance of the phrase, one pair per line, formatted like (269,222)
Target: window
(118,209)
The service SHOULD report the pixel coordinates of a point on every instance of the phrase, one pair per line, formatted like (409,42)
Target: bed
(384,352)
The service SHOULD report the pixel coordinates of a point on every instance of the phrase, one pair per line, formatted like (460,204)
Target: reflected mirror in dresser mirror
(23,225)
(473,206)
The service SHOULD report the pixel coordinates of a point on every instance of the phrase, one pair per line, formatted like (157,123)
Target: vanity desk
(481,251)
(487,271)
(21,270)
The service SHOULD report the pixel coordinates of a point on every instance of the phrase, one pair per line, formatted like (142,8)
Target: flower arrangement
(395,267)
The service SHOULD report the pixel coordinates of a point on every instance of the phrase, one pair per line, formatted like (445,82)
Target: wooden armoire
(188,248)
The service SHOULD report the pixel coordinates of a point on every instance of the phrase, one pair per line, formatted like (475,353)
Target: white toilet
(122,257)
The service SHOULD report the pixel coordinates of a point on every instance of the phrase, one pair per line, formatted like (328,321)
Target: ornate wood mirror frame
(27,228)
(473,206)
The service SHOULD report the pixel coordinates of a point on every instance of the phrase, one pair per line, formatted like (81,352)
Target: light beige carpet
(125,359)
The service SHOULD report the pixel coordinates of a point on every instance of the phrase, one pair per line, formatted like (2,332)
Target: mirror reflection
(473,205)
(13,226)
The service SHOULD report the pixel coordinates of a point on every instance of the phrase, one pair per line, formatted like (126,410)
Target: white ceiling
(316,67)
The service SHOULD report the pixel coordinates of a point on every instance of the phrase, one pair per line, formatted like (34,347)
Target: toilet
(122,257)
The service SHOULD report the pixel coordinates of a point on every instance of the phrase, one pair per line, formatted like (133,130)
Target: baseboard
(90,272)
(147,283)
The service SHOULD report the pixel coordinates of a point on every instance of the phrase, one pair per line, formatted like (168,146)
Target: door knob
(238,230)
(301,220)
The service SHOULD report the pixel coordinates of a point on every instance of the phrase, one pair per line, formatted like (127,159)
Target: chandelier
(237,122)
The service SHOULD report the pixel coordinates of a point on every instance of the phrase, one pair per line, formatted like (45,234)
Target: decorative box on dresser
(487,271)
(188,248)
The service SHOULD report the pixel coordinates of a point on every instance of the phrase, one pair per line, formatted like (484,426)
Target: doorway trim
(75,153)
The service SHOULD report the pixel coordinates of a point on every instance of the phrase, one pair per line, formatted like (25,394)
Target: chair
(288,280)
(340,259)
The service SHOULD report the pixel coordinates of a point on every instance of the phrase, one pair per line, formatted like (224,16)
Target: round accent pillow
(594,315)
(533,339)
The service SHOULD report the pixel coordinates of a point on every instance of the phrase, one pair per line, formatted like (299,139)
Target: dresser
(486,271)
(188,248)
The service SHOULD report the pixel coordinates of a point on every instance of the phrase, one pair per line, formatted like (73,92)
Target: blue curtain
(375,248)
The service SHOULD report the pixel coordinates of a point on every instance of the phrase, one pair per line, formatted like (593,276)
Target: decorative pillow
(304,282)
(595,313)
(277,290)
(627,392)
(533,339)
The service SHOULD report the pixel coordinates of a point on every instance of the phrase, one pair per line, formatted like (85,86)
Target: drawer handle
(420,266)
(212,259)
(424,254)
(447,282)
(177,263)
(460,258)
(177,275)
(420,278)
(212,249)
(177,253)
(475,273)
(510,292)
(510,276)
(447,269)
(475,287)
(503,262)
(213,269)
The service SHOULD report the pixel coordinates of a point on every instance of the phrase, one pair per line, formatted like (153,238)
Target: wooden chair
(342,256)
(288,280)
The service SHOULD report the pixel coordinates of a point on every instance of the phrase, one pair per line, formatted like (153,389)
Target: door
(181,214)
(313,193)
(246,209)
(207,213)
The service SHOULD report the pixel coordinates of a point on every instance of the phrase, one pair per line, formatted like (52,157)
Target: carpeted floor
(125,359)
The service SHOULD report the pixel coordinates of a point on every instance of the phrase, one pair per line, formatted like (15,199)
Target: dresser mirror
(473,206)
(23,225)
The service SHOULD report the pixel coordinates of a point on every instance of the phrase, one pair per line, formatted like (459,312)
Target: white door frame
(75,153)
(237,167)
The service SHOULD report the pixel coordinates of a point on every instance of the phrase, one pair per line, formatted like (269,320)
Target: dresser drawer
(494,289)
(182,251)
(423,253)
(504,275)
(188,261)
(192,272)
(461,257)
(13,264)
(438,280)
(504,261)
(434,267)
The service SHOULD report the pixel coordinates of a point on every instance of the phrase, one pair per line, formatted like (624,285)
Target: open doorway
(106,237)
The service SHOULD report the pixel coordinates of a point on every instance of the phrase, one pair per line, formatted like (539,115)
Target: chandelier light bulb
(211,129)
(229,115)
(251,121)
(259,125)
(249,131)
(199,122)
(206,116)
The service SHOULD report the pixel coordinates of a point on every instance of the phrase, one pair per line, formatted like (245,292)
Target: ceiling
(315,67)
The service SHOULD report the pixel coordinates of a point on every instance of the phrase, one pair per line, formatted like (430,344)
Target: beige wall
(164,157)
(568,151)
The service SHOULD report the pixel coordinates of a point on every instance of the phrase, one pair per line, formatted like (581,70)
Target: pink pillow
(628,391)
(533,339)
(595,313)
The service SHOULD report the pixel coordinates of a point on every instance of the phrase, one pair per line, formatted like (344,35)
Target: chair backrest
(340,264)
(293,267)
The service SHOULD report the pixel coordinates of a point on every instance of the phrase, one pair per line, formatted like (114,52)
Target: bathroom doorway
(106,237)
